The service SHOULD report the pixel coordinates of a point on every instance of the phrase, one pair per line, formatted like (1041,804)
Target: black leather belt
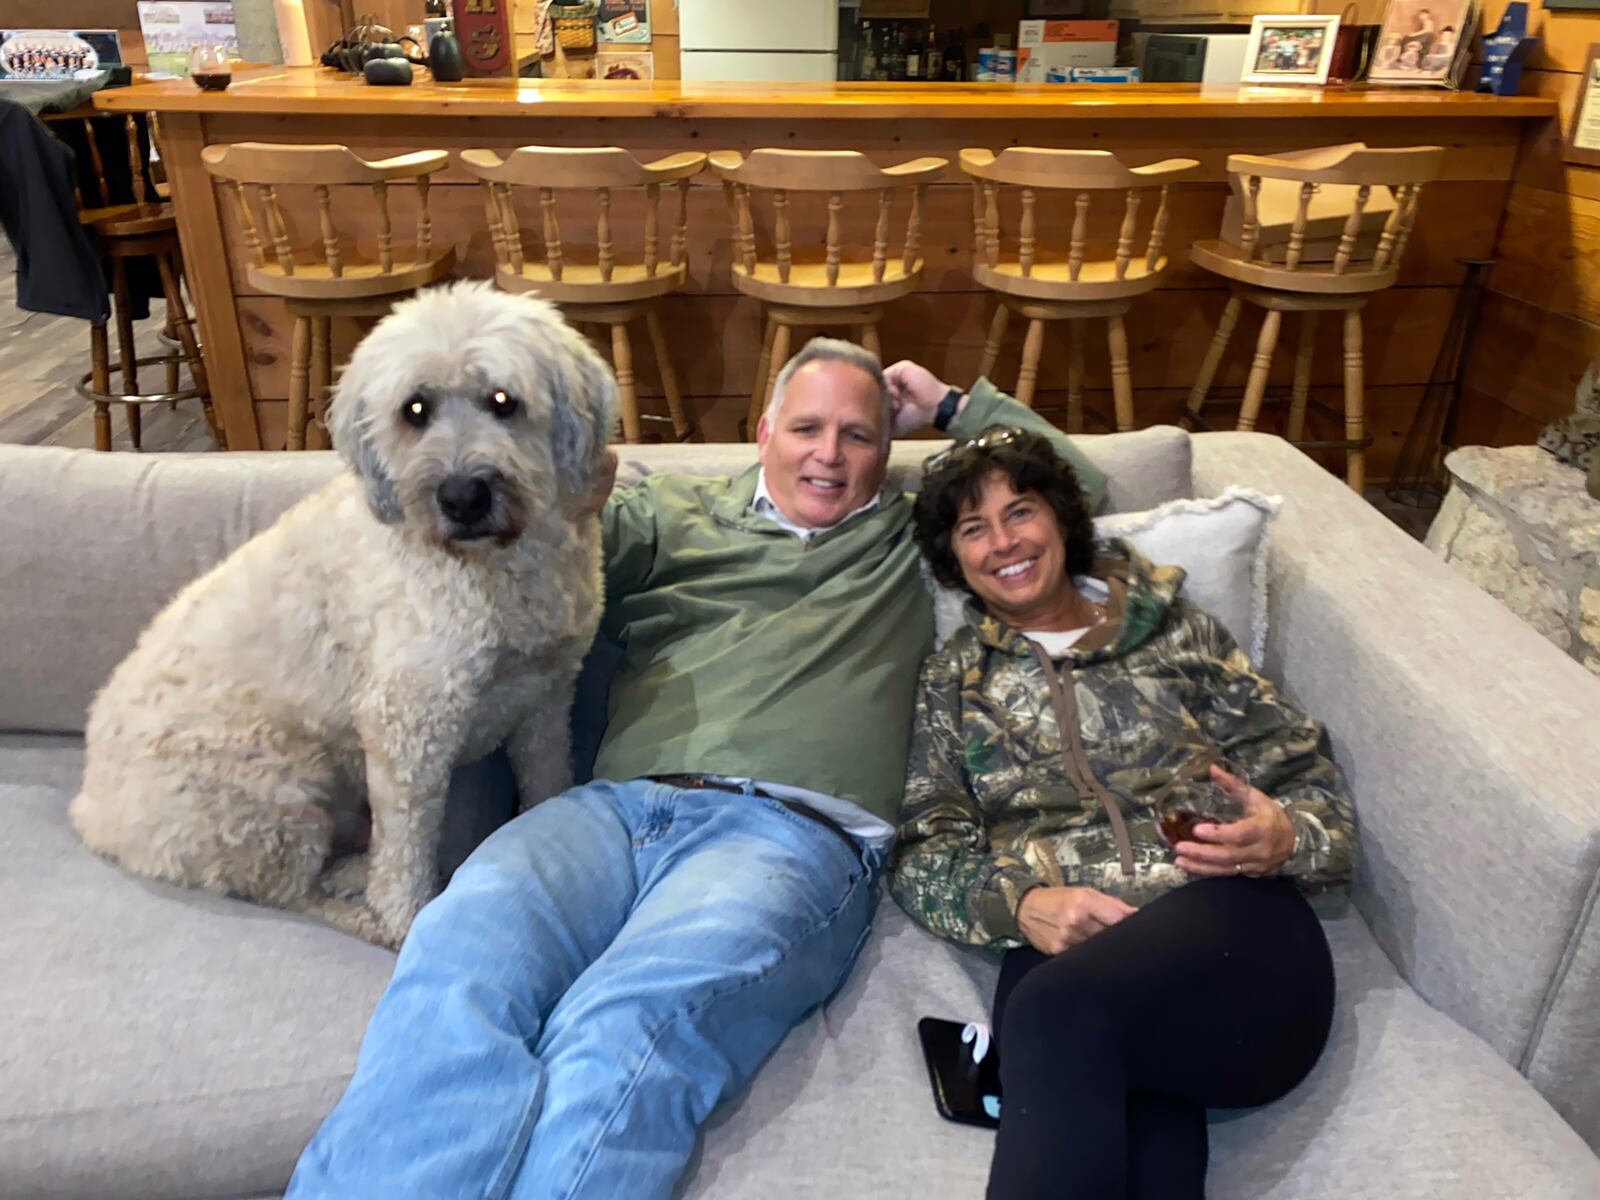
(703,782)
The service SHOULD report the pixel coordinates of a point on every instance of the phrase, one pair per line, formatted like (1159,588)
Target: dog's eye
(416,411)
(503,404)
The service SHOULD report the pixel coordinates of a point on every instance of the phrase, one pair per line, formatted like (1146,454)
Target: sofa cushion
(169,1044)
(93,545)
(159,1043)
(1403,1104)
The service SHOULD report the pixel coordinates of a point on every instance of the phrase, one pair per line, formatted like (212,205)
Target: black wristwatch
(947,409)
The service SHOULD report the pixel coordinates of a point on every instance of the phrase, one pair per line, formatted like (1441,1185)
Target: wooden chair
(1064,282)
(823,284)
(145,227)
(607,291)
(1306,243)
(333,276)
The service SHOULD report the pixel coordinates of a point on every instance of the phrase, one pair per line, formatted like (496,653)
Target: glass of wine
(1193,798)
(209,68)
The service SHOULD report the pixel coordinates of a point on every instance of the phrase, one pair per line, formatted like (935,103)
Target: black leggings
(1218,994)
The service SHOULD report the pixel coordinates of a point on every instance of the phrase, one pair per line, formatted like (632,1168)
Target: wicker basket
(574,25)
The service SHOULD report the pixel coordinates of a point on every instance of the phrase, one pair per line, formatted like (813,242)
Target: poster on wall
(172,28)
(1583,136)
(51,54)
(624,20)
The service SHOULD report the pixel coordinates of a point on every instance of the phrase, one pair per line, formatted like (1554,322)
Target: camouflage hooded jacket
(993,808)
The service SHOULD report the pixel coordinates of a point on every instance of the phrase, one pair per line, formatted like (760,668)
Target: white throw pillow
(1222,542)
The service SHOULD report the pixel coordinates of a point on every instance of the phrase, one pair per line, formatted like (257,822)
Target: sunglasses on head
(988,439)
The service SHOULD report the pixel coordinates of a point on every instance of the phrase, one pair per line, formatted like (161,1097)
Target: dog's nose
(464,499)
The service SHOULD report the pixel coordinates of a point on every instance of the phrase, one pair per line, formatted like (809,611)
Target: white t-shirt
(1058,642)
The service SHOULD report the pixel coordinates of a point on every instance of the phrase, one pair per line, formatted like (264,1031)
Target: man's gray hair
(826,349)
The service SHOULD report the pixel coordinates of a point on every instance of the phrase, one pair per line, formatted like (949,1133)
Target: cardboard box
(1038,33)
(1043,45)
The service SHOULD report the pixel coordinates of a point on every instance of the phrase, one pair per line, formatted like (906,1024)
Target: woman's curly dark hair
(1032,464)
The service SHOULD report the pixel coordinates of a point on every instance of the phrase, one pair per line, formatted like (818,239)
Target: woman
(1140,985)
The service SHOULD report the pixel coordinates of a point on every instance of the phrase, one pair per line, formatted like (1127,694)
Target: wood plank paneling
(1550,253)
(1540,164)
(1529,359)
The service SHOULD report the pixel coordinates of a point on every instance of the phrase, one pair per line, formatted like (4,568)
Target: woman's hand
(1054,918)
(1257,844)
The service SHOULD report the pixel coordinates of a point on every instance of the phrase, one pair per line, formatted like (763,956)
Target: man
(608,966)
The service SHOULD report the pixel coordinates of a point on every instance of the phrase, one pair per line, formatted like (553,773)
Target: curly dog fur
(425,607)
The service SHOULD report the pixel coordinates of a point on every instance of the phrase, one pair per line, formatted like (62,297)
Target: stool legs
(1208,368)
(321,378)
(100,354)
(1121,376)
(299,382)
(1032,348)
(1074,376)
(182,327)
(869,339)
(126,352)
(1354,402)
(1302,377)
(758,395)
(991,345)
(682,428)
(780,355)
(622,360)
(1255,389)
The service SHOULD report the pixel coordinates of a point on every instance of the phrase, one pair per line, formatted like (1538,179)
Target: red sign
(483,27)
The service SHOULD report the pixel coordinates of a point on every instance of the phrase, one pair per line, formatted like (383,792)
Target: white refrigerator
(758,41)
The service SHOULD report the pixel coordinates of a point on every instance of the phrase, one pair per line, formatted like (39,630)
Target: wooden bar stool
(146,227)
(1064,283)
(1316,231)
(819,285)
(607,291)
(335,276)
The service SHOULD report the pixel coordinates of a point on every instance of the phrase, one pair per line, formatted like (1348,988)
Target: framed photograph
(1423,43)
(47,55)
(1582,143)
(1290,49)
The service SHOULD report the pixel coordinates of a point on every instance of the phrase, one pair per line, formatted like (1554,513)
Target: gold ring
(1238,868)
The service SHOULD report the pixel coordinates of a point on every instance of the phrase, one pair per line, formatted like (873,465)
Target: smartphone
(964,1091)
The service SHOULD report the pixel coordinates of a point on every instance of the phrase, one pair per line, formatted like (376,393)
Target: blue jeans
(597,976)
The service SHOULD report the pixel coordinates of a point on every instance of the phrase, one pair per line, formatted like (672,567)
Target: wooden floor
(42,357)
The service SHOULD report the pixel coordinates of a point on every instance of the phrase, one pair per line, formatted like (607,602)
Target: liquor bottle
(913,57)
(897,55)
(869,53)
(932,57)
(955,57)
(881,73)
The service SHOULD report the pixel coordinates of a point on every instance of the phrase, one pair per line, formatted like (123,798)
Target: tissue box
(1043,45)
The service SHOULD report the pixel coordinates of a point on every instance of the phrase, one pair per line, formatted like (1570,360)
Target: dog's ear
(347,425)
(583,411)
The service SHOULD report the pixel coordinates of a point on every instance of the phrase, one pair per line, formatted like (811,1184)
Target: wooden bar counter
(714,332)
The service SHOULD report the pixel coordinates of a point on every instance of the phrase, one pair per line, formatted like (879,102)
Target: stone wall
(1520,524)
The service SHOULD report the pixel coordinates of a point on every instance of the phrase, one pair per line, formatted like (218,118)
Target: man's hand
(1257,844)
(914,396)
(605,479)
(1055,918)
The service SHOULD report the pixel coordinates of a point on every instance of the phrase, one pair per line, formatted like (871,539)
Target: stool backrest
(836,174)
(1400,171)
(138,141)
(602,170)
(266,168)
(1082,172)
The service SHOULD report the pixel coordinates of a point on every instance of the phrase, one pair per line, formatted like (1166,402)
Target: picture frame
(1423,43)
(1290,48)
(1580,141)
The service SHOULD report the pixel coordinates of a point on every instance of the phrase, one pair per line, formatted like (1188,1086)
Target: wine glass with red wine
(209,68)
(1193,798)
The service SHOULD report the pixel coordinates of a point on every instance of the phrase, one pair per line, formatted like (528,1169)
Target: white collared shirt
(855,820)
(765,506)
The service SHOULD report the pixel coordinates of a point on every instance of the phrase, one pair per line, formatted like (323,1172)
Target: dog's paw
(346,878)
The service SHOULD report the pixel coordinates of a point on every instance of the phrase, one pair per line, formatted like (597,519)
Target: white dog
(414,614)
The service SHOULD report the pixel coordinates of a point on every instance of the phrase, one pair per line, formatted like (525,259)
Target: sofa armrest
(1468,740)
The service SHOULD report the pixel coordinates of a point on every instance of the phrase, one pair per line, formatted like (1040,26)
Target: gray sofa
(161,1043)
